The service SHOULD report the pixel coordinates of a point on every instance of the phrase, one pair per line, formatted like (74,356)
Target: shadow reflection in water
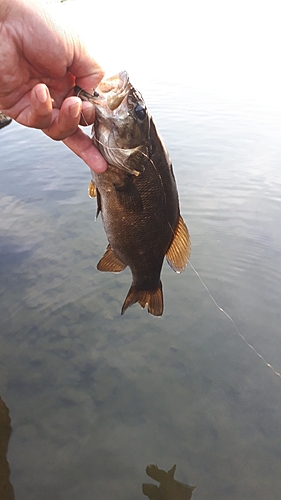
(6,489)
(168,489)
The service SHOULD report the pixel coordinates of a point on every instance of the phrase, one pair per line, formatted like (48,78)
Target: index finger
(81,144)
(85,68)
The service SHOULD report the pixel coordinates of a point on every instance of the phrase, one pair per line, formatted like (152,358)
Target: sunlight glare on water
(229,48)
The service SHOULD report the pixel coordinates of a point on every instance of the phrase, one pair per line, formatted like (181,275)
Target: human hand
(41,61)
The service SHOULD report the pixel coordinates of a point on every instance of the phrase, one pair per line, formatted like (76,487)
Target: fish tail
(152,298)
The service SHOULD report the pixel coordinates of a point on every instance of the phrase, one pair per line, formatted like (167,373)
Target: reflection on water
(169,488)
(94,397)
(6,489)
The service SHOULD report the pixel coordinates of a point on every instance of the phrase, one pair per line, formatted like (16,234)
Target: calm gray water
(95,397)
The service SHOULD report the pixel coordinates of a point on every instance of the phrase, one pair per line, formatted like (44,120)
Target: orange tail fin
(152,298)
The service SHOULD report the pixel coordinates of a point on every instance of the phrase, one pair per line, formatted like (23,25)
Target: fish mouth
(110,103)
(110,93)
(115,89)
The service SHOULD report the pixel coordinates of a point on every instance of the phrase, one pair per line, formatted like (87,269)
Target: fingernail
(74,110)
(41,94)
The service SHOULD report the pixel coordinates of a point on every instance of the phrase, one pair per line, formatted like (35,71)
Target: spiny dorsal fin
(152,298)
(179,251)
(110,262)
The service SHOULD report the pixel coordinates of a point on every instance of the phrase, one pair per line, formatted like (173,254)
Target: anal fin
(179,250)
(110,262)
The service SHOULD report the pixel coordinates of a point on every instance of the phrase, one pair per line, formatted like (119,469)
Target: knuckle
(38,122)
(58,134)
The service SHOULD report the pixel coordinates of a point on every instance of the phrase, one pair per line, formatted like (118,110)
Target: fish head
(122,123)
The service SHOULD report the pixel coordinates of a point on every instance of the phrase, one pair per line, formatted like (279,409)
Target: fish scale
(137,195)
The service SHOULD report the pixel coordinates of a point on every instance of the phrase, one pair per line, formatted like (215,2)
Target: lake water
(95,397)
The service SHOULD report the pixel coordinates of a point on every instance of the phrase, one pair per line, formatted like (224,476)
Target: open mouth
(110,92)
(115,89)
(108,98)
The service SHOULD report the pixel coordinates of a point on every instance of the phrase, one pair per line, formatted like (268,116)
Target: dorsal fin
(179,250)
(110,262)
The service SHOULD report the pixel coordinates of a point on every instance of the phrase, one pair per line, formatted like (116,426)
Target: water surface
(95,397)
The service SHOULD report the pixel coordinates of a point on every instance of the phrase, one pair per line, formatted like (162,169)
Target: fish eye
(140,111)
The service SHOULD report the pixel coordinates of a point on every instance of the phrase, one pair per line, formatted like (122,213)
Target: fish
(4,120)
(137,195)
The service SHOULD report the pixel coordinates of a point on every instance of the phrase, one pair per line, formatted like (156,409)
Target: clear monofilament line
(211,296)
(233,323)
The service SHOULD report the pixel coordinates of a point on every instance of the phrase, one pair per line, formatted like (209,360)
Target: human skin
(41,60)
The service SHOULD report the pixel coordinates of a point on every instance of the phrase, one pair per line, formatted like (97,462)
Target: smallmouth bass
(137,195)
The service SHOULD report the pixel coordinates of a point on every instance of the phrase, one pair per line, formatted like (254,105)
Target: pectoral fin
(92,190)
(110,262)
(179,250)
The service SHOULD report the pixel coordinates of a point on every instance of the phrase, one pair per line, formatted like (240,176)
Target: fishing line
(234,324)
(83,116)
(258,354)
